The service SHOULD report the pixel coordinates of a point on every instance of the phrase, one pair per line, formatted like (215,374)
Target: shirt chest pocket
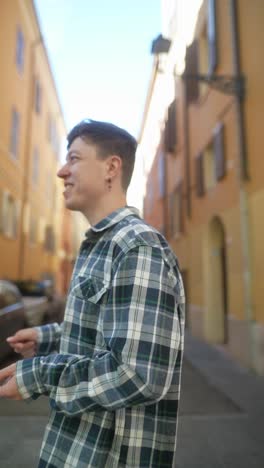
(83,322)
(88,288)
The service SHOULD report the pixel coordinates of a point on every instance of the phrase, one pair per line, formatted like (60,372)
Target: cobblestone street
(220,425)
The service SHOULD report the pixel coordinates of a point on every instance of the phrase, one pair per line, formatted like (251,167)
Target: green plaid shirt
(114,383)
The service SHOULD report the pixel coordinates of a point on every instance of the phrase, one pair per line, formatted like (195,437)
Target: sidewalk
(221,422)
(221,411)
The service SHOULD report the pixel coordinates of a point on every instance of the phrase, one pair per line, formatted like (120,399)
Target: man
(114,383)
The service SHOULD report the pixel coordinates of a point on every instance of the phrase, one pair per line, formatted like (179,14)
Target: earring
(109,182)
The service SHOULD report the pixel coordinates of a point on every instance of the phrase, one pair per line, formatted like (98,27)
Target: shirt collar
(113,218)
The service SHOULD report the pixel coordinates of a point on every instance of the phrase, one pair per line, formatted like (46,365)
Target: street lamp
(160,45)
(227,84)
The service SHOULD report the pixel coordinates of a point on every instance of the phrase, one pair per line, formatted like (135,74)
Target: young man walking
(114,380)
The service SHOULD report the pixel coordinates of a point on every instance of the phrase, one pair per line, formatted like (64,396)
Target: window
(149,198)
(37,96)
(9,215)
(33,227)
(53,137)
(35,166)
(207,45)
(212,37)
(162,175)
(170,138)
(49,127)
(49,187)
(14,136)
(1,211)
(41,230)
(203,58)
(199,175)
(49,242)
(219,151)
(20,49)
(192,69)
(176,211)
(209,167)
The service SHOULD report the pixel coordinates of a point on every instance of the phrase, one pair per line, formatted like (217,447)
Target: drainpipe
(186,137)
(243,176)
(166,222)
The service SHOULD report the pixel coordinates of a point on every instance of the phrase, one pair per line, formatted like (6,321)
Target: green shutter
(170,137)
(199,174)
(219,154)
(192,69)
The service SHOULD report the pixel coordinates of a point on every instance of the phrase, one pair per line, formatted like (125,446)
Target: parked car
(41,303)
(35,288)
(12,315)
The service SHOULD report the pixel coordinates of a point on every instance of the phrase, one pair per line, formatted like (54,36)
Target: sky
(100,56)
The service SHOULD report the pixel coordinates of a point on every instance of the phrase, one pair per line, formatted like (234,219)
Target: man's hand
(24,342)
(8,385)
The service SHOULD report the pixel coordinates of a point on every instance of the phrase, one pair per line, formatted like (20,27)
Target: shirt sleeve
(48,340)
(137,367)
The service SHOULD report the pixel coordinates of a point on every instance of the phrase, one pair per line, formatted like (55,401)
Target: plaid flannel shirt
(114,384)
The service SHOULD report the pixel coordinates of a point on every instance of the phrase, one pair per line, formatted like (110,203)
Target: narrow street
(221,412)
(220,425)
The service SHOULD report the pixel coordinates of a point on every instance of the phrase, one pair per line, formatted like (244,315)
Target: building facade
(32,130)
(210,184)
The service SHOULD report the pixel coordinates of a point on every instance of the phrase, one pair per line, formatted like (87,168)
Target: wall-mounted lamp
(160,45)
(160,48)
(227,84)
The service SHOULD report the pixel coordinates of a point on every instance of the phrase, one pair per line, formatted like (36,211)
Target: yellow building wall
(251,22)
(223,200)
(257,236)
(44,196)
(19,257)
(194,247)
(14,92)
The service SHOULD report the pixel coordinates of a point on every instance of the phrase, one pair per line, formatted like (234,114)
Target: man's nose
(63,171)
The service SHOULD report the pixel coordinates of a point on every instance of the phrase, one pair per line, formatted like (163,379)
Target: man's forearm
(76,383)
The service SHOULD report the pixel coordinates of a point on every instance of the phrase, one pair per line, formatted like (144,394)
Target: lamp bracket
(232,85)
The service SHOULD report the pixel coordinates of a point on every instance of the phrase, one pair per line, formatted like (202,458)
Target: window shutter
(5,212)
(20,49)
(199,173)
(1,210)
(38,96)
(14,137)
(219,154)
(161,174)
(212,36)
(171,212)
(176,210)
(17,211)
(192,68)
(170,137)
(180,207)
(35,165)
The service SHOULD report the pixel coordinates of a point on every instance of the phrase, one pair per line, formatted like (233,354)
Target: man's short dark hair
(109,139)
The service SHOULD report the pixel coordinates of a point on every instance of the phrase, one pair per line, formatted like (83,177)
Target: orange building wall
(224,199)
(19,257)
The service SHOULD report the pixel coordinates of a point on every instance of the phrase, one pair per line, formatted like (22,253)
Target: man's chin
(71,206)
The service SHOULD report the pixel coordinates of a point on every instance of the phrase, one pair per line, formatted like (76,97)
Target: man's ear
(114,165)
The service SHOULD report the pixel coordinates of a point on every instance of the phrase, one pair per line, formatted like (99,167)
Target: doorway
(216,284)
